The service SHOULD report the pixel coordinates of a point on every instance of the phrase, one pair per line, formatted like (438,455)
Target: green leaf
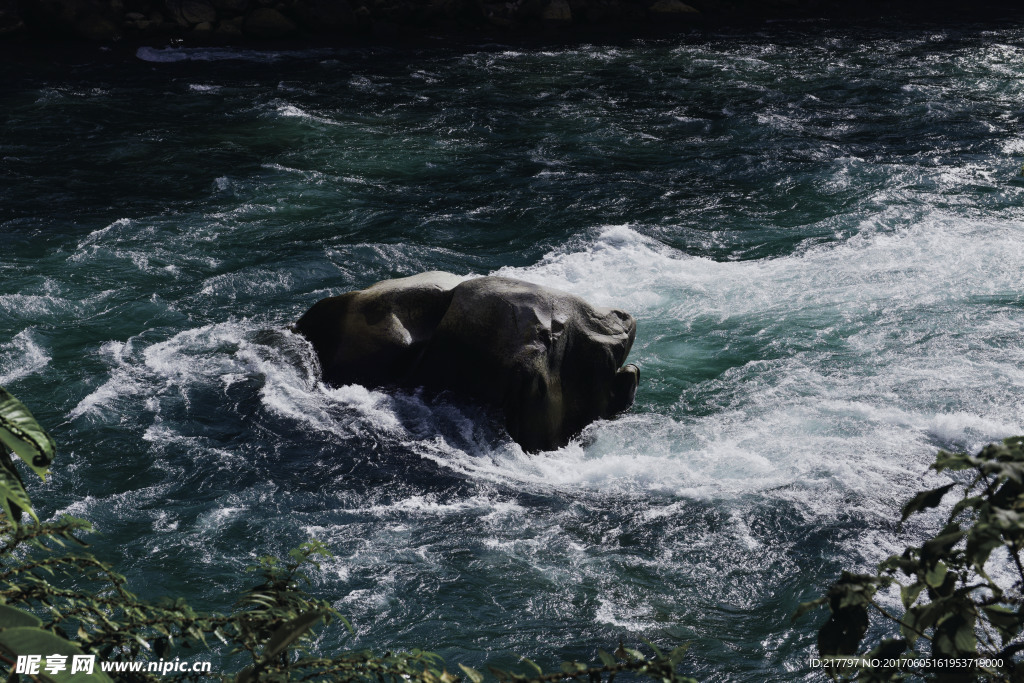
(936,575)
(925,500)
(906,564)
(606,659)
(940,545)
(980,544)
(908,626)
(909,594)
(1014,442)
(842,633)
(13,495)
(20,432)
(1006,520)
(953,461)
(965,640)
(472,674)
(1011,470)
(657,652)
(1004,619)
(930,614)
(29,640)
(533,664)
(11,617)
(572,668)
(289,633)
(971,502)
(630,654)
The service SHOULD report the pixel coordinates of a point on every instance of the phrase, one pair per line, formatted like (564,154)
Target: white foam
(151,248)
(216,519)
(247,284)
(361,83)
(624,615)
(21,357)
(219,355)
(875,350)
(123,383)
(856,362)
(288,110)
(29,304)
(93,237)
(483,506)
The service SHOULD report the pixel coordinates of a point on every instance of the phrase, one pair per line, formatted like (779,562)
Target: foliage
(52,593)
(22,435)
(958,622)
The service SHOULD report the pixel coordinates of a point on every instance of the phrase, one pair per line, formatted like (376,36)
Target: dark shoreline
(32,25)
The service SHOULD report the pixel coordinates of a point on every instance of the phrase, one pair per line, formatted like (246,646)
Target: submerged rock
(547,360)
(557,12)
(96,28)
(190,12)
(233,7)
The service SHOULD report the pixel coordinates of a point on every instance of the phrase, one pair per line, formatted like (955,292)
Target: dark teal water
(820,232)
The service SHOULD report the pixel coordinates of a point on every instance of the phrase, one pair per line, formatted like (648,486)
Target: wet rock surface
(547,360)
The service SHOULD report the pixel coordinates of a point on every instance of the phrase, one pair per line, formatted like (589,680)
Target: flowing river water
(819,230)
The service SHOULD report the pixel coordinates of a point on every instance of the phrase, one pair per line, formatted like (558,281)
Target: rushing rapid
(819,232)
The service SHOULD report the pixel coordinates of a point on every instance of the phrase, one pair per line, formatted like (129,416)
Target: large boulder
(557,12)
(547,360)
(191,12)
(325,16)
(267,22)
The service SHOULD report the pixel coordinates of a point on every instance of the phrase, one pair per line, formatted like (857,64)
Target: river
(819,230)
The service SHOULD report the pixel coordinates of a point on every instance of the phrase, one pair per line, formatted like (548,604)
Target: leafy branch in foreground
(958,622)
(21,435)
(56,599)
(271,626)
